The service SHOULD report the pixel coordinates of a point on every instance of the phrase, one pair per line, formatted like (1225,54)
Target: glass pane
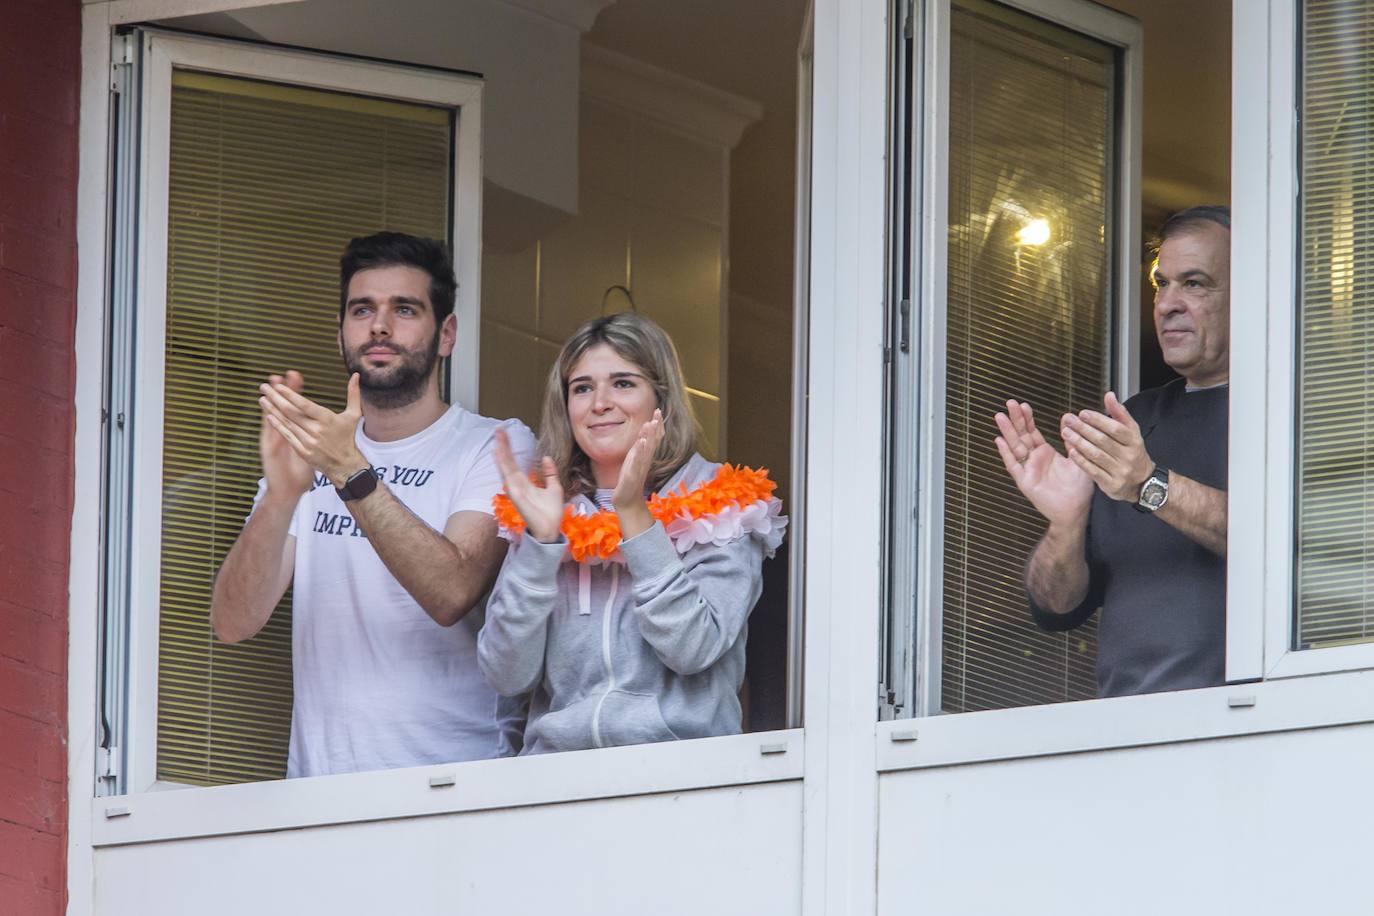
(1336,400)
(1031,152)
(267,185)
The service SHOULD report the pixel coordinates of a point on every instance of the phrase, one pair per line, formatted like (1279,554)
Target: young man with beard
(381,518)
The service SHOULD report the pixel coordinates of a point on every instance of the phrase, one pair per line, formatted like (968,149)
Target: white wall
(1258,824)
(653,189)
(719,851)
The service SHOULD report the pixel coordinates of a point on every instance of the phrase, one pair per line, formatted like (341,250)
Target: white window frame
(843,552)
(148,812)
(162,54)
(1259,584)
(479,785)
(923,538)
(1264,364)
(801,337)
(1266,691)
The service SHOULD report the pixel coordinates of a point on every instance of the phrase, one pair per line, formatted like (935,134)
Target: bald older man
(1137,506)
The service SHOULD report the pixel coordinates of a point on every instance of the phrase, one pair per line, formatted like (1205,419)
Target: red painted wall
(40,67)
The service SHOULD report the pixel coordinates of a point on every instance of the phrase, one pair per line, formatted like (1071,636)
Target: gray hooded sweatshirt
(649,650)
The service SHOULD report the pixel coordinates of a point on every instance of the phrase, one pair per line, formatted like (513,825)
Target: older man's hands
(1058,488)
(1109,449)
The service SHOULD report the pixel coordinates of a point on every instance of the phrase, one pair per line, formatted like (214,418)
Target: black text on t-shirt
(397,476)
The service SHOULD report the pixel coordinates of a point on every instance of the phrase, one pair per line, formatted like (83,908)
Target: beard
(398,384)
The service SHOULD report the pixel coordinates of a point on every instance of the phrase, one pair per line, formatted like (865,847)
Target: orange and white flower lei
(738,501)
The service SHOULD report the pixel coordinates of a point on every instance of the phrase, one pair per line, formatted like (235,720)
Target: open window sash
(146,63)
(920,335)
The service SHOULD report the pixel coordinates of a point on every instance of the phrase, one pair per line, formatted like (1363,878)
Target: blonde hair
(638,340)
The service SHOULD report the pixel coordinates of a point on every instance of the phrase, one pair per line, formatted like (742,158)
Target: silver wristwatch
(1154,492)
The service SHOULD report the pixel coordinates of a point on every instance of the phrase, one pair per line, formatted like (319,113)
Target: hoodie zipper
(606,655)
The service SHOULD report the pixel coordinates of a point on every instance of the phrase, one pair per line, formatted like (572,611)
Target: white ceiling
(1187,100)
(748,47)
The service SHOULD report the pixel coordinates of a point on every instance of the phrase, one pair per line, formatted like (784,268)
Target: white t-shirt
(379,684)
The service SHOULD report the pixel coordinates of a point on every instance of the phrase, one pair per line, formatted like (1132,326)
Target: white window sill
(474,786)
(1328,700)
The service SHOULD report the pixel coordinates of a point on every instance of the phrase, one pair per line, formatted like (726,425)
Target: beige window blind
(1336,391)
(267,184)
(1031,153)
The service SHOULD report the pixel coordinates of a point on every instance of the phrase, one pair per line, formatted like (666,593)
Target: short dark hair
(1186,220)
(390,249)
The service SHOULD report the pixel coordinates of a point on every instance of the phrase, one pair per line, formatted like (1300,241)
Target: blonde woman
(623,602)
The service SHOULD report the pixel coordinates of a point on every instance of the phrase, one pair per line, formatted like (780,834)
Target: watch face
(1153,493)
(359,485)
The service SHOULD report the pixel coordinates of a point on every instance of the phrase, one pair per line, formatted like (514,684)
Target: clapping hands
(1053,483)
(1104,449)
(287,473)
(628,497)
(540,507)
(1109,448)
(323,440)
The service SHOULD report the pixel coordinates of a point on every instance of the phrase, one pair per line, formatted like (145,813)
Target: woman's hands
(540,507)
(628,498)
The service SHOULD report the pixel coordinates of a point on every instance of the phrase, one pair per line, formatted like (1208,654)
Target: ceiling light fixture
(1035,232)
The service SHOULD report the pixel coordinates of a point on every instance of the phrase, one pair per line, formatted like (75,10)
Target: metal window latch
(1241,702)
(118,811)
(442,782)
(906,734)
(775,747)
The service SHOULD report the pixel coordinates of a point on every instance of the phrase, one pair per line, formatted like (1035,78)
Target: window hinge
(887,704)
(121,57)
(908,27)
(122,49)
(107,762)
(904,331)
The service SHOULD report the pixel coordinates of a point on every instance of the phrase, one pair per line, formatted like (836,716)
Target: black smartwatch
(358,486)
(1154,492)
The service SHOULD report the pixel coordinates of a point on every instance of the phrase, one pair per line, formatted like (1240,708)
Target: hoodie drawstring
(615,584)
